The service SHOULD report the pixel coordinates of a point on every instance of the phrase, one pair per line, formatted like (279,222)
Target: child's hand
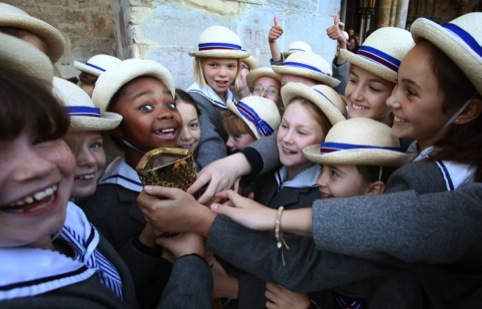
(245,211)
(173,210)
(282,298)
(183,244)
(275,32)
(335,33)
(225,286)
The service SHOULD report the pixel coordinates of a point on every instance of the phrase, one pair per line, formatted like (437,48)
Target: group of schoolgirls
(137,103)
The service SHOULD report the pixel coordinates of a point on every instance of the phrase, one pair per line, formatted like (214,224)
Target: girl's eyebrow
(141,93)
(410,82)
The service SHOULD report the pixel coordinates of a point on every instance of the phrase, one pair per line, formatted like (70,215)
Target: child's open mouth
(32,203)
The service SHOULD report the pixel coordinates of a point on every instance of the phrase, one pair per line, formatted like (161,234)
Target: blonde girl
(217,64)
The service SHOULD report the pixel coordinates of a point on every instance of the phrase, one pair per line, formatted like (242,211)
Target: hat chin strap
(458,112)
(131,146)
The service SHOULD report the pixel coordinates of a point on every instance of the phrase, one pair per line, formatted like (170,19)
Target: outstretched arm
(274,33)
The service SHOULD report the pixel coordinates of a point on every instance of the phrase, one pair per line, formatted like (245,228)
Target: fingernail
(214,206)
(148,188)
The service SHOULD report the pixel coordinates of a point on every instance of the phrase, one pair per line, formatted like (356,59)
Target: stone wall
(165,30)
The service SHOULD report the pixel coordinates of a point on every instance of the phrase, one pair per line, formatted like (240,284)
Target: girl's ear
(471,112)
(375,188)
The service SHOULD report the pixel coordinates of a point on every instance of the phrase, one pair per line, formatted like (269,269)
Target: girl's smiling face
(341,181)
(90,161)
(298,129)
(36,178)
(190,132)
(150,117)
(238,142)
(367,95)
(268,87)
(219,74)
(416,101)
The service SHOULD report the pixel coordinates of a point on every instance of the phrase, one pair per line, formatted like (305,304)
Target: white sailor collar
(32,271)
(123,175)
(306,178)
(208,92)
(455,173)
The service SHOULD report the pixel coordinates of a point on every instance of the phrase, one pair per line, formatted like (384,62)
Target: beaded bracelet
(278,234)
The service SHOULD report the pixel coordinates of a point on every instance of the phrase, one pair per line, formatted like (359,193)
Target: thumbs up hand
(275,32)
(335,33)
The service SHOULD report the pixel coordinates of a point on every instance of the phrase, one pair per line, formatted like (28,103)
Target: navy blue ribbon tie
(247,112)
(83,111)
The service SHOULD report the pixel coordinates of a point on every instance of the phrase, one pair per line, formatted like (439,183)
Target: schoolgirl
(91,70)
(216,67)
(84,135)
(266,83)
(142,92)
(191,130)
(249,119)
(309,115)
(437,102)
(373,73)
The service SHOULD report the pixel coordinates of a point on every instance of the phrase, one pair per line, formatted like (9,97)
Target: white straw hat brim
(107,121)
(251,62)
(22,56)
(288,70)
(374,157)
(254,74)
(115,78)
(369,66)
(87,69)
(54,40)
(453,46)
(330,105)
(220,53)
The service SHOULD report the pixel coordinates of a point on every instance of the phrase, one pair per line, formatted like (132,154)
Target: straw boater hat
(113,79)
(97,64)
(219,42)
(260,114)
(14,17)
(84,116)
(382,52)
(460,40)
(22,56)
(251,62)
(324,97)
(297,46)
(309,65)
(359,141)
(265,71)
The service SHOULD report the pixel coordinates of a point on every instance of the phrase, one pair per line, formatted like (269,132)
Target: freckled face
(36,178)
(237,143)
(298,129)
